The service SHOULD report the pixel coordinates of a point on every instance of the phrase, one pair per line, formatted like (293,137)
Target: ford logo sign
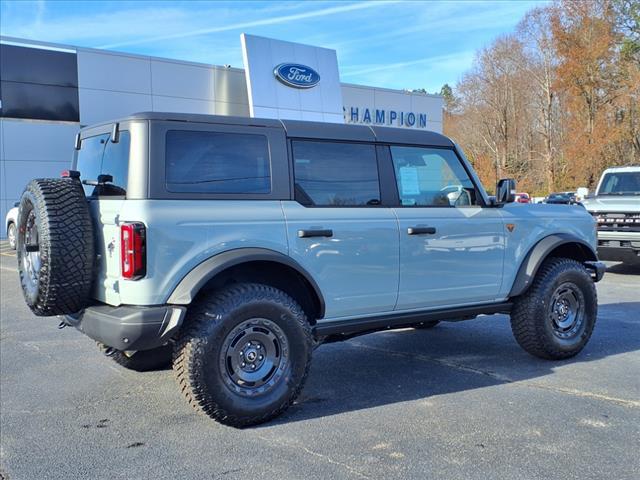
(297,76)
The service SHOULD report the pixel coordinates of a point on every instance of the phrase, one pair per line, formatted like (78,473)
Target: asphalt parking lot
(459,401)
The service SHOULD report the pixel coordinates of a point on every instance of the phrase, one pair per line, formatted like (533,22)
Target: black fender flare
(190,285)
(539,252)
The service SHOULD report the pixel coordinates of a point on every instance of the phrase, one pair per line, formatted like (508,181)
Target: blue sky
(379,43)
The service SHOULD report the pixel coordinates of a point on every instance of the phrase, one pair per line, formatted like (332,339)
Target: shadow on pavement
(624,269)
(405,365)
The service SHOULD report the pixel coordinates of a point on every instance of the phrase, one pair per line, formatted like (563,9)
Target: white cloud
(254,23)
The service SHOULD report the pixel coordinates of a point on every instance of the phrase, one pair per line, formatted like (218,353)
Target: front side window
(431,177)
(335,174)
(215,162)
(99,156)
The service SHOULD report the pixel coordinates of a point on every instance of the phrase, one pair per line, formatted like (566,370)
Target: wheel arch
(557,245)
(258,265)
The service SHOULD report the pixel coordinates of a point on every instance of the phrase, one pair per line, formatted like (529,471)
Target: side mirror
(506,191)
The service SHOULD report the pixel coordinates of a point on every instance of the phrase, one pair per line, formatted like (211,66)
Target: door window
(335,174)
(431,177)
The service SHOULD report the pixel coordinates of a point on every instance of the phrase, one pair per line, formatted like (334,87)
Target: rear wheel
(244,354)
(555,318)
(143,360)
(11,235)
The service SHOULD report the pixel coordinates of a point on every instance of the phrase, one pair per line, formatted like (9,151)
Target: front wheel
(555,318)
(244,354)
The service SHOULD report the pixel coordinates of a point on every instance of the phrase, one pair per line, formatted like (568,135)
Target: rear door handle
(421,230)
(315,233)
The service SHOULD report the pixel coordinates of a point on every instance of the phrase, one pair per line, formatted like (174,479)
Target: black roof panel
(410,136)
(329,131)
(302,129)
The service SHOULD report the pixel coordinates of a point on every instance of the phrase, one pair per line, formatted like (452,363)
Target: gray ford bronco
(231,247)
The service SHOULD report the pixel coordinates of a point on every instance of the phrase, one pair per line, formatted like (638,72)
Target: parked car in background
(562,198)
(523,198)
(10,222)
(616,208)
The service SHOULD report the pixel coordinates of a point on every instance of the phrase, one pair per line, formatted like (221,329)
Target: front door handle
(315,233)
(421,230)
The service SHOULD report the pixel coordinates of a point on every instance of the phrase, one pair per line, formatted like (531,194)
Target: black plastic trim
(128,327)
(351,326)
(538,253)
(190,285)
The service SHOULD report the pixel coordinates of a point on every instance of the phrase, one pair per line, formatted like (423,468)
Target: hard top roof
(303,129)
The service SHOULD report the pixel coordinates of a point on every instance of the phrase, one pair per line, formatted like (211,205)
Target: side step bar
(371,324)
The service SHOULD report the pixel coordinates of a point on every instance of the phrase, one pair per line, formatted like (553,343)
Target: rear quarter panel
(533,222)
(183,233)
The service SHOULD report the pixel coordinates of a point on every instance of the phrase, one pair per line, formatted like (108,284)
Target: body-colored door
(337,229)
(451,247)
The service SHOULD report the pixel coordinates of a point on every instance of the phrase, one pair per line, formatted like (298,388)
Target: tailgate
(104,213)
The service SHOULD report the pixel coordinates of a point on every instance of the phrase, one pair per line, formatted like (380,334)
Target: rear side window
(99,156)
(335,174)
(214,162)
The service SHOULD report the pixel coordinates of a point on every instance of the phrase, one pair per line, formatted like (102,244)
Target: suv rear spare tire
(55,246)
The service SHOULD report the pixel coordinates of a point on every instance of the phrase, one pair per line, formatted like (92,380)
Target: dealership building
(49,91)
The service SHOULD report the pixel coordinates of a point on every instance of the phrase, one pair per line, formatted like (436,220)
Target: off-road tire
(214,318)
(11,235)
(531,321)
(143,360)
(62,283)
(426,325)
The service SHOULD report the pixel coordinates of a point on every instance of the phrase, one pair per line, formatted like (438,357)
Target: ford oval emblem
(297,76)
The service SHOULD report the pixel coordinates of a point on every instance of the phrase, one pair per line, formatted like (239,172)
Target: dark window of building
(98,155)
(335,174)
(38,84)
(214,162)
(41,102)
(36,65)
(430,177)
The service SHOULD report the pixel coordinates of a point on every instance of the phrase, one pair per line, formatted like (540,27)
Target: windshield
(620,183)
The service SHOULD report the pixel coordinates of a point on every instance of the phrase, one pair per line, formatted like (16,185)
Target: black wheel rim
(30,253)
(566,311)
(254,357)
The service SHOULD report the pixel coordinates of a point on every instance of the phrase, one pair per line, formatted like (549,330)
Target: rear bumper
(128,327)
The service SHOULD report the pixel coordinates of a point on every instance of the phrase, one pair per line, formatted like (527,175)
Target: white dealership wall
(114,84)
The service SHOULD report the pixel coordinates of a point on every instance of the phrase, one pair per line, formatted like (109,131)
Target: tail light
(133,250)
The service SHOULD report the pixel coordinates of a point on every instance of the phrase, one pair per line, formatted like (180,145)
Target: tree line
(555,102)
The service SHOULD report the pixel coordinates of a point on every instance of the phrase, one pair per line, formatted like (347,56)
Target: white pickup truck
(616,208)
